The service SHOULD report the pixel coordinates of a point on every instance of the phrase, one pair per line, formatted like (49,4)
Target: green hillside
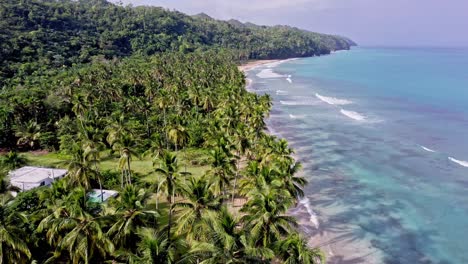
(36,35)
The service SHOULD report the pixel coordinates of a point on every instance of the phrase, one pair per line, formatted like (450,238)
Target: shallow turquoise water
(383,135)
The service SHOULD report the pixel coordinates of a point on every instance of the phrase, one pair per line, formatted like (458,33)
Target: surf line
(337,102)
(459,162)
(462,163)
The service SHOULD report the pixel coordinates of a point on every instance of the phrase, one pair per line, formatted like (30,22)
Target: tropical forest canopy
(36,35)
(105,88)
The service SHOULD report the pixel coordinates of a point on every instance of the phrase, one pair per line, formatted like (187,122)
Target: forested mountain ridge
(36,35)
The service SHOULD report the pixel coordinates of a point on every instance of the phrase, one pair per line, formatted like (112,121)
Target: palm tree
(259,178)
(93,156)
(198,207)
(13,160)
(179,137)
(242,144)
(257,121)
(207,102)
(79,106)
(169,168)
(291,182)
(222,170)
(294,250)
(130,215)
(80,170)
(195,97)
(156,149)
(280,152)
(163,103)
(5,186)
(91,141)
(71,228)
(126,146)
(228,243)
(54,195)
(155,247)
(116,129)
(265,216)
(28,134)
(13,249)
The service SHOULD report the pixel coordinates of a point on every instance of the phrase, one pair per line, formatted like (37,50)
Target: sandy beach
(333,238)
(255,63)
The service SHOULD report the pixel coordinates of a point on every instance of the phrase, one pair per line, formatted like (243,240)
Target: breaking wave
(333,100)
(459,162)
(299,102)
(427,149)
(353,115)
(296,116)
(313,216)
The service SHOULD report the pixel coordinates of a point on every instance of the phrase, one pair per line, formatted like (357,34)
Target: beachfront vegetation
(150,103)
(184,144)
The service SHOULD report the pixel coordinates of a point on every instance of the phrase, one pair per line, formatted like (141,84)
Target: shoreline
(319,231)
(252,64)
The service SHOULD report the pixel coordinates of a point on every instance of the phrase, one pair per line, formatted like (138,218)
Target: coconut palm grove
(150,103)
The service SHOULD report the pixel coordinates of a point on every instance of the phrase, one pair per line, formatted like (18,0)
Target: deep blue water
(383,136)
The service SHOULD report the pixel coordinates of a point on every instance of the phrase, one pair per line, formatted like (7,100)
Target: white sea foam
(427,149)
(248,85)
(269,73)
(333,100)
(298,102)
(280,92)
(353,115)
(289,79)
(291,103)
(459,162)
(296,116)
(313,216)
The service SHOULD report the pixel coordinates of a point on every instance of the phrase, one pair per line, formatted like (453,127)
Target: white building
(95,195)
(27,178)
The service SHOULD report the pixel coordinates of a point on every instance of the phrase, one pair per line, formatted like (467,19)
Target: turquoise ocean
(383,137)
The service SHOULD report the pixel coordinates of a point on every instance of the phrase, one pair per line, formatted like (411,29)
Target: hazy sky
(369,22)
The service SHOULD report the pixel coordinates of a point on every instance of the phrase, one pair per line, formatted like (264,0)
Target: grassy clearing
(53,160)
(194,160)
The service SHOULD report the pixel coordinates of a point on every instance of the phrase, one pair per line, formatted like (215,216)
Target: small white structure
(95,195)
(27,178)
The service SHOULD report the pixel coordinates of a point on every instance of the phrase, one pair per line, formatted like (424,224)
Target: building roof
(30,174)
